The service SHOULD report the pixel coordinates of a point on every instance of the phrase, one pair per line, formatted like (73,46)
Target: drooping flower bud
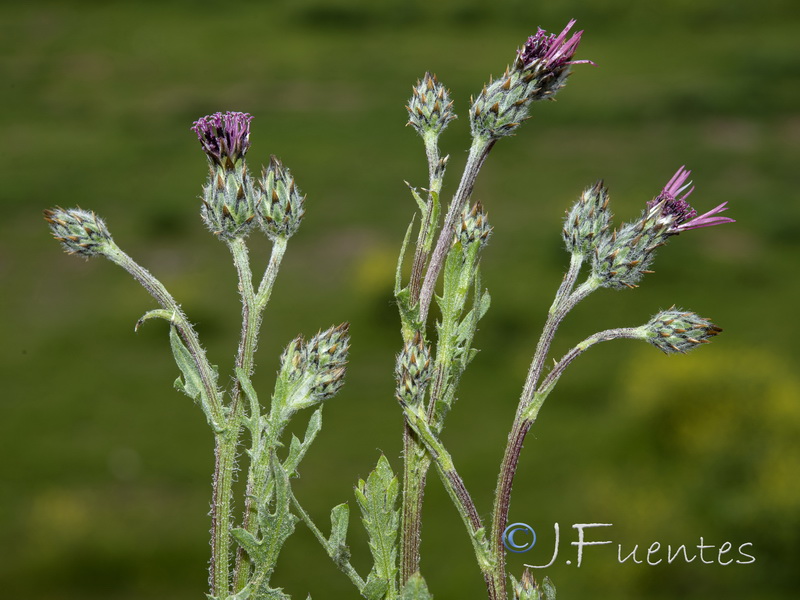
(413,371)
(280,205)
(676,331)
(228,206)
(474,228)
(430,108)
(540,69)
(79,231)
(587,220)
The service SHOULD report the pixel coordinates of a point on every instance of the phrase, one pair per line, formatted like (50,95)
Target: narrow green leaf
(297,449)
(398,277)
(192,384)
(420,202)
(340,519)
(415,589)
(158,313)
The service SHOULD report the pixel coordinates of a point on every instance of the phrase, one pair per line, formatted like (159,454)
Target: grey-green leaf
(377,499)
(415,589)
(340,519)
(192,384)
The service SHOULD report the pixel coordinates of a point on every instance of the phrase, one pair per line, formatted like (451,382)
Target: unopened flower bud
(538,72)
(526,588)
(313,371)
(280,206)
(326,358)
(474,227)
(228,208)
(413,371)
(675,331)
(293,361)
(79,231)
(587,220)
(430,108)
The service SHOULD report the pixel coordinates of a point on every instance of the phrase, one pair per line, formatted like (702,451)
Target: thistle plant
(437,346)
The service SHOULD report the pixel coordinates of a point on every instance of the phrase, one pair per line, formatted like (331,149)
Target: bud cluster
(675,331)
(528,589)
(474,227)
(79,231)
(228,197)
(538,72)
(430,108)
(280,205)
(413,371)
(587,220)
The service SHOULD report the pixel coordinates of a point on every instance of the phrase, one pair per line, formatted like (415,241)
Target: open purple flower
(225,137)
(675,208)
(552,50)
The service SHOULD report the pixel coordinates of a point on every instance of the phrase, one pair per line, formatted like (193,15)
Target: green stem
(477,155)
(185,329)
(415,467)
(224,468)
(344,565)
(265,288)
(459,495)
(529,405)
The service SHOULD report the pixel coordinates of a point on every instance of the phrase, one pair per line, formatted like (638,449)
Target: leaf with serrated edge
(377,499)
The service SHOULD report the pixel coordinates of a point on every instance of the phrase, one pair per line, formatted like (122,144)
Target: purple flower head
(225,137)
(552,50)
(675,208)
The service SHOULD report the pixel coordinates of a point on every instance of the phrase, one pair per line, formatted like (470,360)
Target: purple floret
(225,137)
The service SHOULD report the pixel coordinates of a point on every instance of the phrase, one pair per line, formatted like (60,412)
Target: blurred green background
(105,480)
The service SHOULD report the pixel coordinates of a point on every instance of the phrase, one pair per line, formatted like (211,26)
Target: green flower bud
(79,231)
(326,356)
(430,108)
(228,208)
(675,331)
(280,205)
(474,227)
(313,371)
(587,220)
(413,371)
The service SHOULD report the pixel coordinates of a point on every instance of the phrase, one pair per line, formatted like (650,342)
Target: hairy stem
(529,404)
(459,495)
(156,289)
(224,468)
(415,467)
(344,565)
(477,155)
